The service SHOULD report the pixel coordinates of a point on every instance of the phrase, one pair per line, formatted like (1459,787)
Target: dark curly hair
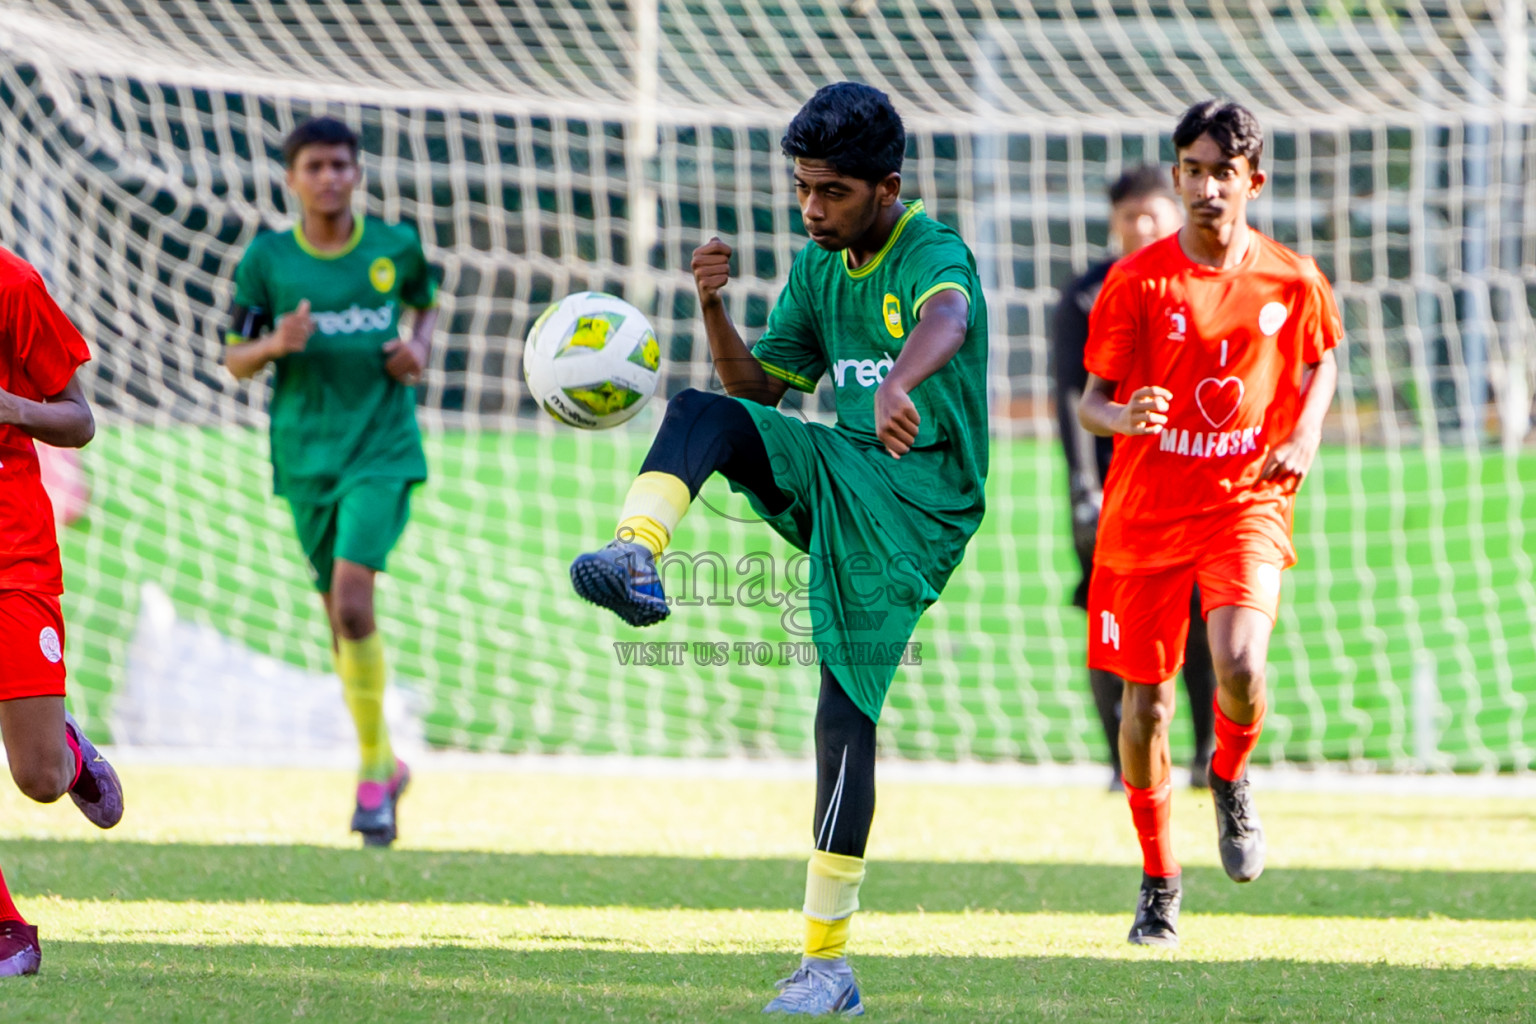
(852,127)
(1231,126)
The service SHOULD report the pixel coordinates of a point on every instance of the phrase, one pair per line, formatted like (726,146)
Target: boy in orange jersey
(1210,360)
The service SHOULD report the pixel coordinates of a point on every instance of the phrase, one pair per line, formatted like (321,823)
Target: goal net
(543,148)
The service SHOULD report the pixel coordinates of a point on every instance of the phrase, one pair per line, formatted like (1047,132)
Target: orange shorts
(31,645)
(1138,623)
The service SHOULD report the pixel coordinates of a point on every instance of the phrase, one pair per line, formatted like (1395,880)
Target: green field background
(1414,565)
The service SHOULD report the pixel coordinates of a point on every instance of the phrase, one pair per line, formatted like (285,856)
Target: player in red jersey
(1210,360)
(39,398)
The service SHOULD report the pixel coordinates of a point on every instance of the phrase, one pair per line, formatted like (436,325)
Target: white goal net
(545,147)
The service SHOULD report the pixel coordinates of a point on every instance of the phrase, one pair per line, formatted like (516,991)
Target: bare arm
(63,420)
(940,331)
(408,359)
(1100,414)
(248,358)
(1290,460)
(740,373)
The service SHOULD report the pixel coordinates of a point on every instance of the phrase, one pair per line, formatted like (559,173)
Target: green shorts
(362,526)
(882,535)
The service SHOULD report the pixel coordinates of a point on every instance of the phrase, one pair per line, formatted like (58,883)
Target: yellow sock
(360,663)
(831,896)
(826,940)
(654,506)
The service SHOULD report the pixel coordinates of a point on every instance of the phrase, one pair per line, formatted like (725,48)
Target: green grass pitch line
(236,895)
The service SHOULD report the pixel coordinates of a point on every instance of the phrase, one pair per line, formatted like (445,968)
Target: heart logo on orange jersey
(1218,400)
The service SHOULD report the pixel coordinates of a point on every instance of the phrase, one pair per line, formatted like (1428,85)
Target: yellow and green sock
(360,663)
(832,883)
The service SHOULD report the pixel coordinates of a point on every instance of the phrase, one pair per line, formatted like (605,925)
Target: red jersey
(1232,345)
(39,352)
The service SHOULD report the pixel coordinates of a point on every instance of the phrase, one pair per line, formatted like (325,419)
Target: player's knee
(354,623)
(44,783)
(1157,717)
(689,404)
(840,728)
(1146,710)
(354,616)
(1241,672)
(684,411)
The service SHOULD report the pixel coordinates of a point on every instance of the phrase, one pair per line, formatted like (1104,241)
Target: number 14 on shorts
(1109,631)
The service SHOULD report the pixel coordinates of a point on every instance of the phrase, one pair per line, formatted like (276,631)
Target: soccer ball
(591,360)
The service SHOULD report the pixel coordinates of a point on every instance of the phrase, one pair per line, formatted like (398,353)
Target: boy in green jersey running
(887,303)
(323,304)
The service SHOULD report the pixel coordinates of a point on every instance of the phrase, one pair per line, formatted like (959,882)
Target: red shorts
(31,645)
(1138,623)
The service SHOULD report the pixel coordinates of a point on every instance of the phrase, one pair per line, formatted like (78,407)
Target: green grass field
(234,895)
(1411,562)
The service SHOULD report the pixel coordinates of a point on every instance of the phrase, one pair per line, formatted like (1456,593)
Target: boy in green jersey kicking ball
(887,303)
(323,303)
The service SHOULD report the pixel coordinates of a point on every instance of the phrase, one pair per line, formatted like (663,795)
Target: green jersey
(884,534)
(337,416)
(852,324)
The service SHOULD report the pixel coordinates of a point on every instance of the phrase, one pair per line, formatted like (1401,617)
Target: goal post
(543,149)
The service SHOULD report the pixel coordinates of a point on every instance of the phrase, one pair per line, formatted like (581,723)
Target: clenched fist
(293,331)
(1146,412)
(711,270)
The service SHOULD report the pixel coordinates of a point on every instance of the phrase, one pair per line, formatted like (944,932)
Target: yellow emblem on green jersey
(891,314)
(381,274)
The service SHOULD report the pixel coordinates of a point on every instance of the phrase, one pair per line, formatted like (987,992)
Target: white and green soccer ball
(591,360)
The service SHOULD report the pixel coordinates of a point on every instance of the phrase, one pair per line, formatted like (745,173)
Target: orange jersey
(1233,346)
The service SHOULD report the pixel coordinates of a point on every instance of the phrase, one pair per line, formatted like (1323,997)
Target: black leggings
(704,433)
(845,772)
